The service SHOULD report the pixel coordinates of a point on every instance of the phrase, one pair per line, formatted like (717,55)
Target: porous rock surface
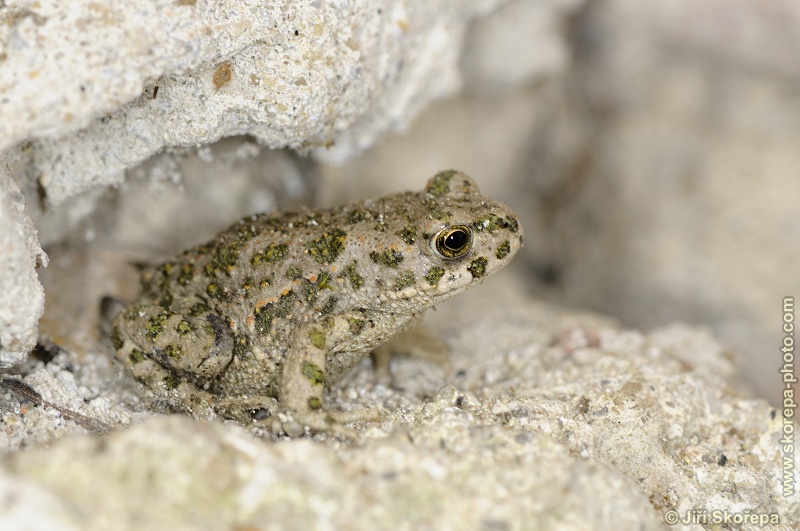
(535,418)
(21,294)
(90,89)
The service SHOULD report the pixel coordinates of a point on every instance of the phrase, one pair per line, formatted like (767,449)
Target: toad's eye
(453,241)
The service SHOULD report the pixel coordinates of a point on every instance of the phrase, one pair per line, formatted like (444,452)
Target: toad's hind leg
(305,374)
(168,390)
(198,347)
(173,394)
(174,355)
(168,393)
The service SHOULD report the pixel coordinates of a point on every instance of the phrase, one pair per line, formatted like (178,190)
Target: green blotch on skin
(439,184)
(492,223)
(166,268)
(272,254)
(327,247)
(183,328)
(388,257)
(401,211)
(213,290)
(209,330)
(241,346)
(404,280)
(186,275)
(433,275)
(317,338)
(171,382)
(294,273)
(511,224)
(248,285)
(356,325)
(247,231)
(313,373)
(116,338)
(225,258)
(165,301)
(358,215)
(408,234)
(350,273)
(265,315)
(157,324)
(489,222)
(315,403)
(198,309)
(478,267)
(503,249)
(173,351)
(309,290)
(330,305)
(164,271)
(136,356)
(435,210)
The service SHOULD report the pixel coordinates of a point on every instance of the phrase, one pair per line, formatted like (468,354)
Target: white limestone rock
(95,88)
(21,294)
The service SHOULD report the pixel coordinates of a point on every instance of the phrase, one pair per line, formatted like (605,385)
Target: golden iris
(453,241)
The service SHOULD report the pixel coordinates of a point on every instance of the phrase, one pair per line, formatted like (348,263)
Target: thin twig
(29,393)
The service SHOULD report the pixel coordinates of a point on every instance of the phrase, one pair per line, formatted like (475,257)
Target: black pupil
(456,240)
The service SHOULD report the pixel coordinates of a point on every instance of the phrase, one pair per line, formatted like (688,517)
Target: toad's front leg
(305,376)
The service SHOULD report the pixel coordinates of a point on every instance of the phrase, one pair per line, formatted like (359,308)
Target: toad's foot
(265,413)
(330,422)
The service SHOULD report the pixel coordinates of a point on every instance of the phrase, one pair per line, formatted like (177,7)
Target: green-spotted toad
(279,305)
